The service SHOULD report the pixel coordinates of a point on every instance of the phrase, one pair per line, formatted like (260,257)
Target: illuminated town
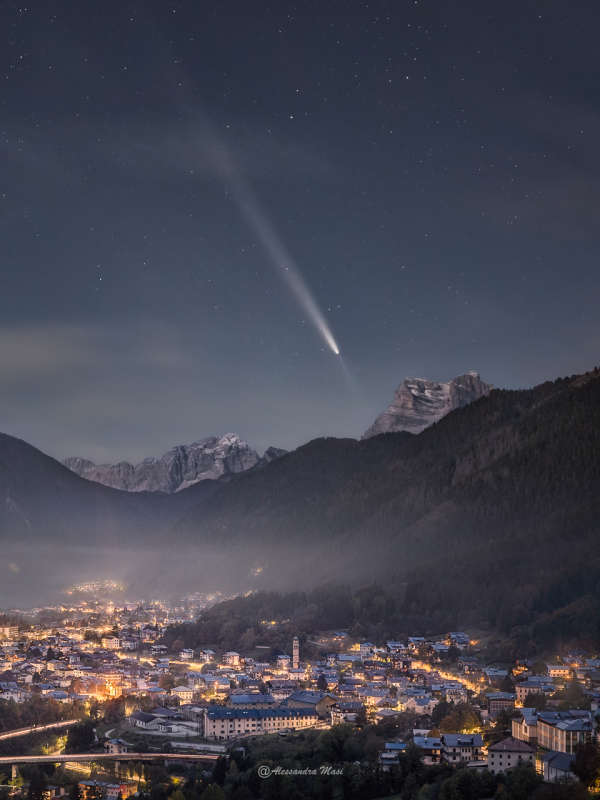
(104,684)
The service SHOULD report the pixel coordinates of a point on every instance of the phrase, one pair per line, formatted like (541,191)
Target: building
(230,723)
(140,719)
(366,649)
(295,652)
(115,746)
(346,711)
(184,693)
(111,791)
(251,700)
(206,656)
(390,756)
(320,702)
(232,659)
(508,754)
(559,670)
(500,701)
(462,747)
(524,727)
(556,767)
(533,685)
(562,731)
(283,662)
(431,748)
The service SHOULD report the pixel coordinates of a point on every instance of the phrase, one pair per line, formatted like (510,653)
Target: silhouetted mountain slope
(492,512)
(491,515)
(43,501)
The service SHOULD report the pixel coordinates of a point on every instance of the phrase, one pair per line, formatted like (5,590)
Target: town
(433,696)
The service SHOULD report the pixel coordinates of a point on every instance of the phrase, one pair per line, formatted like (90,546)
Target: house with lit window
(430,747)
(462,747)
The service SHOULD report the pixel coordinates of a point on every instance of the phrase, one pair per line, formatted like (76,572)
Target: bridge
(63,758)
(65,723)
(118,758)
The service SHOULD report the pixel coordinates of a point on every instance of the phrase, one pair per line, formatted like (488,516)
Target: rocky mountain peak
(183,465)
(419,402)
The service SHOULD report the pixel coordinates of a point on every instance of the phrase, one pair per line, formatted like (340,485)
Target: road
(62,758)
(65,723)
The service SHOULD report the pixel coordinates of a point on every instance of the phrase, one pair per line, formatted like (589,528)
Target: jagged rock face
(183,466)
(419,403)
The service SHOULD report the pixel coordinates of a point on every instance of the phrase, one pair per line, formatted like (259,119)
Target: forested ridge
(489,517)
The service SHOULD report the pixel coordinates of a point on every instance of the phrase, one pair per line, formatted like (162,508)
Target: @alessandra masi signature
(265,771)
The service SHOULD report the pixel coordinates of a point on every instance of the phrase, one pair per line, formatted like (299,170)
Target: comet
(280,257)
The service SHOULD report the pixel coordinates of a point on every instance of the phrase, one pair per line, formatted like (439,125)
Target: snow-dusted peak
(180,467)
(419,402)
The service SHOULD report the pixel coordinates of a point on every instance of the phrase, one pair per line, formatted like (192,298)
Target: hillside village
(433,694)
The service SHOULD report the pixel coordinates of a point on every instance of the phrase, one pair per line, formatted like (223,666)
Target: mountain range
(489,515)
(181,467)
(417,403)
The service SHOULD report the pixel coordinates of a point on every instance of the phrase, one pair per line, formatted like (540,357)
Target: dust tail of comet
(224,167)
(349,376)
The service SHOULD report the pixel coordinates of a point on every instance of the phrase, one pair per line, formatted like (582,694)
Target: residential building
(508,754)
(500,701)
(431,748)
(184,693)
(390,755)
(533,685)
(319,701)
(462,747)
(556,767)
(111,791)
(559,670)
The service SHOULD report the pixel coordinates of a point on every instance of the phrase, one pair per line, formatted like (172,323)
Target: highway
(63,758)
(37,728)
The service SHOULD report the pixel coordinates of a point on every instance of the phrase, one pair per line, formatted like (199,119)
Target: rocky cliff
(419,402)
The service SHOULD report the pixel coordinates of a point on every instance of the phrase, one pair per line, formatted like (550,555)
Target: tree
(220,771)
(213,792)
(573,697)
(80,738)
(322,683)
(166,682)
(37,786)
(536,700)
(587,763)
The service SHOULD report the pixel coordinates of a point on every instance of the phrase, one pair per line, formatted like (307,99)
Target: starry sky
(432,169)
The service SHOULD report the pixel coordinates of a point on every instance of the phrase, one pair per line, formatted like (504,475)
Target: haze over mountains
(499,500)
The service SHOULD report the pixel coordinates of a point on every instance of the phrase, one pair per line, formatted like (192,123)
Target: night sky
(432,169)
